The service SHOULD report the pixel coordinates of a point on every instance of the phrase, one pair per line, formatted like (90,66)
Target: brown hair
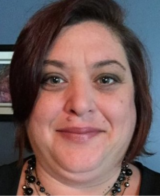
(35,40)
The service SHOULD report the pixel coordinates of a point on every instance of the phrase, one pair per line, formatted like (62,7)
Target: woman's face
(85,115)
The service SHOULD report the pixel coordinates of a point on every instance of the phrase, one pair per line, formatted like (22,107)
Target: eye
(54,80)
(107,79)
(51,81)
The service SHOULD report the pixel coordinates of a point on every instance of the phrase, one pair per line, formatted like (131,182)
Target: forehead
(90,41)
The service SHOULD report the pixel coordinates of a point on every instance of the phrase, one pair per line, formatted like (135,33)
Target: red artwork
(4,85)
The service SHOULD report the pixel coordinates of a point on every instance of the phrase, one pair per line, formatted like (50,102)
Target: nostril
(72,111)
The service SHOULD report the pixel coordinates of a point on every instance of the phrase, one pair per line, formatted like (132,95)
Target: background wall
(143,18)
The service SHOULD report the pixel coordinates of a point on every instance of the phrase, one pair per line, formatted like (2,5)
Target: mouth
(79,135)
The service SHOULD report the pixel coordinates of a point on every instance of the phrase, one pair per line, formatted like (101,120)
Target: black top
(10,176)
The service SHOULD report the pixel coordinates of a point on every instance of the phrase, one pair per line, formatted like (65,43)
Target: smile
(79,135)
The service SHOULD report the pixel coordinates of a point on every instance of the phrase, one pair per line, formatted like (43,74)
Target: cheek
(43,115)
(47,108)
(120,112)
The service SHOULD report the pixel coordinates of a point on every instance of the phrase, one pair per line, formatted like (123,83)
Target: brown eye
(106,80)
(52,80)
(55,80)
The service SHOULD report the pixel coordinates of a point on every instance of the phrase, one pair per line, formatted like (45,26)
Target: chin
(82,163)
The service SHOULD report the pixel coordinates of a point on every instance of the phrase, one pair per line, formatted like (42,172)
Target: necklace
(119,186)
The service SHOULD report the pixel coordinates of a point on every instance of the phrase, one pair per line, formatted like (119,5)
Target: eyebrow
(109,62)
(55,63)
(99,64)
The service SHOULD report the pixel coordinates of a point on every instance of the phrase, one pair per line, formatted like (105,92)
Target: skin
(94,91)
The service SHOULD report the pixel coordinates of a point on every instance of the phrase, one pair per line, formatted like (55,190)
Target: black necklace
(123,179)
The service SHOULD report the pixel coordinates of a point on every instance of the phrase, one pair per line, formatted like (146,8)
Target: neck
(37,176)
(89,183)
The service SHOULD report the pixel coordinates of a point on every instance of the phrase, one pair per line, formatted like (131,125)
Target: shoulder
(9,178)
(150,180)
(9,168)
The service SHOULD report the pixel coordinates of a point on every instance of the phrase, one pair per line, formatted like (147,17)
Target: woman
(81,101)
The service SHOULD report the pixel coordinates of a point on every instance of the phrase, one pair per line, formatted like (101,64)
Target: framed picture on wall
(6,53)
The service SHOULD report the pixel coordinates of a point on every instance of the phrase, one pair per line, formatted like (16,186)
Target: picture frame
(6,53)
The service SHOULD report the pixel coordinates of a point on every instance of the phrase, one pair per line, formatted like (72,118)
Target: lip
(79,134)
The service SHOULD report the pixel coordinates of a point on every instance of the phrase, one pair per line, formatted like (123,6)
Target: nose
(80,100)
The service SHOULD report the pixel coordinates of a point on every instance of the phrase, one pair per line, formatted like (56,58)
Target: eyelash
(54,79)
